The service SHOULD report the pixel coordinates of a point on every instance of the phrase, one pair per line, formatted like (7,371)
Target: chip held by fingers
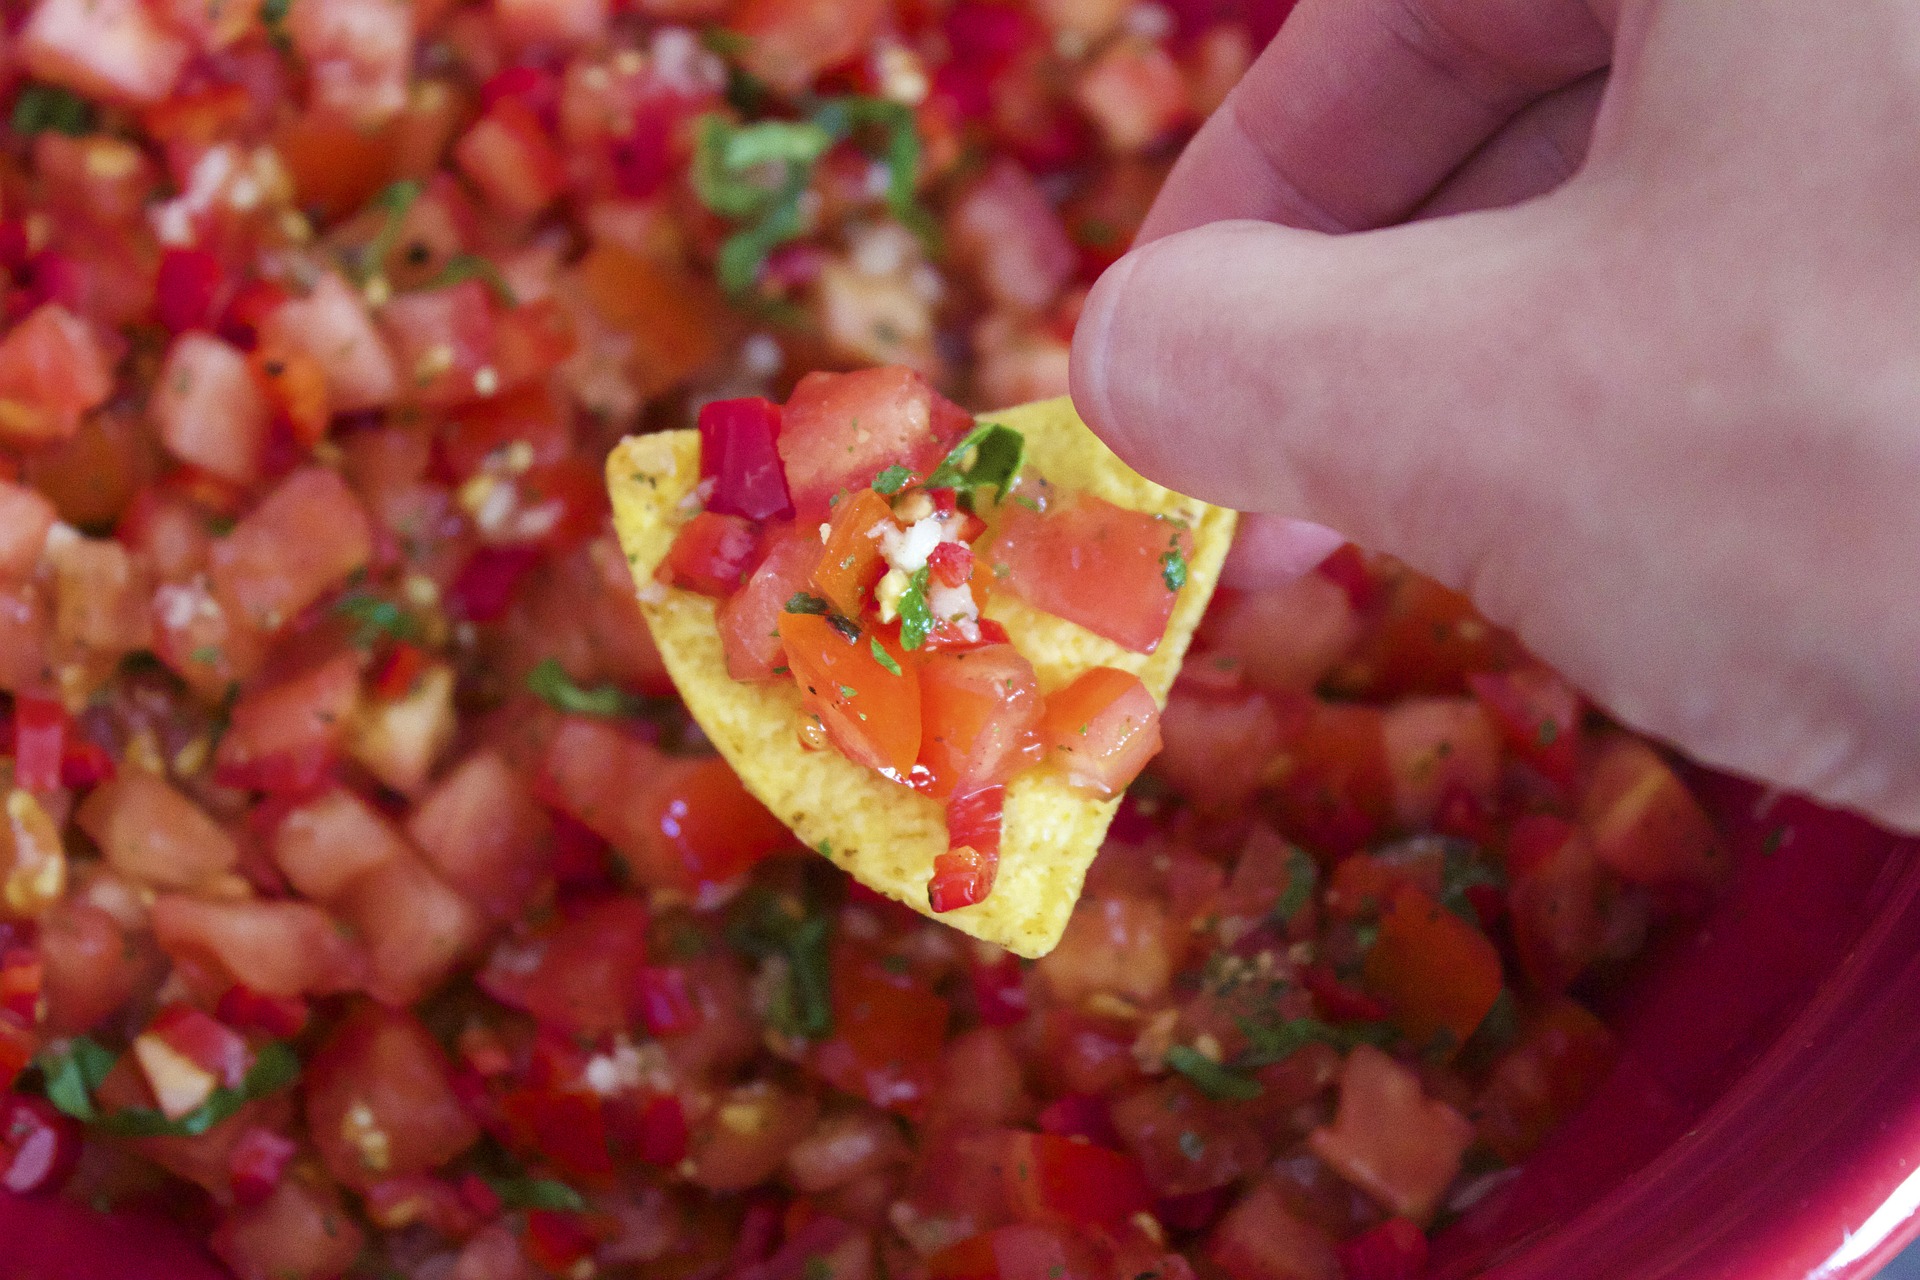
(935,648)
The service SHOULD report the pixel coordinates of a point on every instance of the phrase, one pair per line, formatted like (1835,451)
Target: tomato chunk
(1439,973)
(850,562)
(1057,1180)
(1101,729)
(739,453)
(870,710)
(750,621)
(1113,571)
(712,555)
(379,1103)
(51,372)
(840,430)
(979,709)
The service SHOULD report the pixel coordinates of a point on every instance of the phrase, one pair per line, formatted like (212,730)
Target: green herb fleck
(395,200)
(552,685)
(825,848)
(816,1268)
(1212,1079)
(916,615)
(766,925)
(85,1065)
(73,1074)
(882,657)
(1460,870)
(44,108)
(537,1193)
(377,618)
(1548,731)
(989,456)
(462,267)
(801,602)
(206,655)
(892,480)
(1173,566)
(273,14)
(1302,878)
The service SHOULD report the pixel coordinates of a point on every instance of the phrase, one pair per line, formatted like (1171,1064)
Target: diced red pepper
(712,555)
(85,763)
(557,1241)
(1080,1115)
(952,563)
(398,671)
(245,1009)
(187,289)
(1394,1250)
(485,585)
(1337,1001)
(1060,1181)
(739,453)
(663,1131)
(964,874)
(38,1146)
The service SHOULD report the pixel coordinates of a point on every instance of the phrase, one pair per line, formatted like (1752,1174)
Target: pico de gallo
(370,906)
(853,538)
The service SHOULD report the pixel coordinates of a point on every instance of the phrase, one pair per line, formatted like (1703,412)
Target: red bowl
(1763,1123)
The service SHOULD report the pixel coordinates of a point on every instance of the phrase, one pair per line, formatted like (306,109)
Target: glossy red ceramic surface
(1764,1122)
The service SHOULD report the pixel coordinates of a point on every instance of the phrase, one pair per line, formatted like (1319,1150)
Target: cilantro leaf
(73,1074)
(44,108)
(1173,567)
(273,15)
(1302,878)
(376,617)
(843,116)
(881,656)
(765,926)
(526,1192)
(1212,1079)
(990,455)
(801,602)
(916,616)
(462,267)
(550,683)
(892,480)
(275,1068)
(1460,870)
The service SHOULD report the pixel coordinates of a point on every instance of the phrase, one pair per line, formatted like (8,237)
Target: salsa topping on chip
(854,537)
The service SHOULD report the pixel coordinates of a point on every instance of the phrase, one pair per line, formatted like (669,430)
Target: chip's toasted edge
(881,833)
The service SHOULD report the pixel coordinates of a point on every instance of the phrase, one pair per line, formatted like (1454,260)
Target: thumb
(1398,385)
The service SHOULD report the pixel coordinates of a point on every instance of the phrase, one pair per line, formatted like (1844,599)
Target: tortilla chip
(883,834)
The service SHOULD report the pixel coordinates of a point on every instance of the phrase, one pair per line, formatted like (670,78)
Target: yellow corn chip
(883,834)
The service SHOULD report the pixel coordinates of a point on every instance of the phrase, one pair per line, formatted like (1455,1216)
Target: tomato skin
(1438,973)
(1538,715)
(1284,638)
(749,621)
(1389,1138)
(1101,729)
(584,976)
(1095,564)
(979,709)
(870,713)
(378,1101)
(901,420)
(889,1029)
(712,555)
(51,372)
(1394,1250)
(1645,824)
(440,340)
(304,539)
(704,831)
(415,927)
(850,561)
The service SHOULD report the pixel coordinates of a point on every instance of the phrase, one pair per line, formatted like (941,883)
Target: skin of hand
(1606,313)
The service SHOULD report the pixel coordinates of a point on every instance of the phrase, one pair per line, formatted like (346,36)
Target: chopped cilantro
(849,629)
(395,200)
(44,108)
(1302,879)
(537,1193)
(801,602)
(73,1075)
(882,657)
(1173,566)
(1461,869)
(206,655)
(825,848)
(990,456)
(1269,1042)
(273,15)
(1212,1079)
(892,480)
(552,685)
(764,925)
(916,615)
(462,267)
(377,618)
(848,691)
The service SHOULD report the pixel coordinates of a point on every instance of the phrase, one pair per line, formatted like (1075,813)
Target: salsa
(371,906)
(925,516)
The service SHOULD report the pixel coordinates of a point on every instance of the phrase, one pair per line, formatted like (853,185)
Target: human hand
(1662,420)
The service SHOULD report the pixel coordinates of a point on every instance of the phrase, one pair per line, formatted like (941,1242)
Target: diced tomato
(1284,638)
(1006,225)
(484,588)
(1335,789)
(52,371)
(702,830)
(507,155)
(750,621)
(675,320)
(301,1231)
(1429,640)
(282,1017)
(999,991)
(209,410)
(1438,748)
(118,50)
(40,728)
(285,737)
(871,710)
(441,340)
(712,555)
(1538,715)
(888,1030)
(215,1048)
(1645,824)
(188,288)
(277,948)
(327,843)
(1109,569)
(1186,1143)
(979,710)
(357,54)
(331,326)
(790,42)
(378,1101)
(1394,1250)
(483,831)
(1438,973)
(304,539)
(90,967)
(152,833)
(1119,945)
(25,517)
(1390,1139)
(850,561)
(257,1162)
(1217,749)
(1101,730)
(1262,1239)
(1134,92)
(891,416)
(19,1046)
(1554,898)
(666,1007)
(739,452)
(416,929)
(1076,1184)
(583,978)
(1562,1055)
(565,1127)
